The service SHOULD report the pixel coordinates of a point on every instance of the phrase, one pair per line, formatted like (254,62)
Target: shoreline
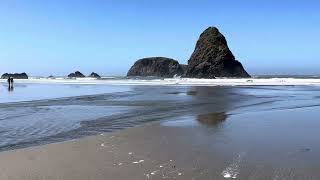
(176,81)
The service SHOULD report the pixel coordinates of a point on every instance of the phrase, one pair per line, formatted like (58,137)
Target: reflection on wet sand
(10,88)
(192,93)
(212,119)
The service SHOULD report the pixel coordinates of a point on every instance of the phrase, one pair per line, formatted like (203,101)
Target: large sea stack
(15,76)
(157,66)
(212,58)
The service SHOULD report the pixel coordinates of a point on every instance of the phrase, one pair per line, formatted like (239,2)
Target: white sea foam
(138,162)
(179,81)
(233,170)
(154,172)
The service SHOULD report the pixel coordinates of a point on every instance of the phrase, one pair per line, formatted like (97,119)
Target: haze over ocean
(58,37)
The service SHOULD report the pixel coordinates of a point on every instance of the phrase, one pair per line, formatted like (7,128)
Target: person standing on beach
(11,82)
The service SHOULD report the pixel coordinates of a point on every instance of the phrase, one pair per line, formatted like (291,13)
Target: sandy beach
(147,152)
(164,133)
(183,149)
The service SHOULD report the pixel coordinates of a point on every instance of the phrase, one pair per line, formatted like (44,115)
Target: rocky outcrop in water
(94,75)
(15,76)
(157,66)
(76,74)
(213,58)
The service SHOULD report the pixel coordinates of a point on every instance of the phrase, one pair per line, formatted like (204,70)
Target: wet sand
(148,152)
(182,149)
(166,133)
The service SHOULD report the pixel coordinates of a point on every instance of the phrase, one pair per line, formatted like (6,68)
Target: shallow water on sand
(37,91)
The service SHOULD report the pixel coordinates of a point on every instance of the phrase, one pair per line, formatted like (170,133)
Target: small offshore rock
(15,76)
(76,74)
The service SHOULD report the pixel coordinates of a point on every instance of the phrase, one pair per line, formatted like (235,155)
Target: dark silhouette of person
(10,83)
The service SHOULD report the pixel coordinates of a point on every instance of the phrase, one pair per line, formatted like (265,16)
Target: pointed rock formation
(212,58)
(76,74)
(157,66)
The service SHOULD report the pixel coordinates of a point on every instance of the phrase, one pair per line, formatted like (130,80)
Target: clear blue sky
(59,36)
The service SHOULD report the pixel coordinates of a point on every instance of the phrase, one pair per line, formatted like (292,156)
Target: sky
(56,37)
